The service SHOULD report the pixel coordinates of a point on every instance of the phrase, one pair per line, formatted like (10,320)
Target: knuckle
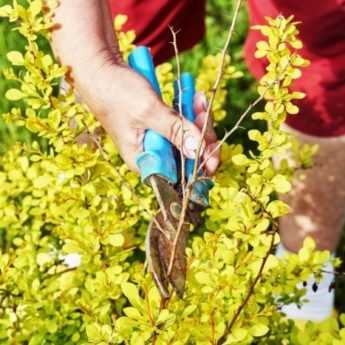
(148,111)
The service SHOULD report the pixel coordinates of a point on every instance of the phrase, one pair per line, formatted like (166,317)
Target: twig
(203,134)
(180,110)
(229,133)
(157,193)
(159,227)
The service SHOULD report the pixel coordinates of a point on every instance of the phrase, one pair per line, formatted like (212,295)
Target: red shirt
(151,20)
(322,30)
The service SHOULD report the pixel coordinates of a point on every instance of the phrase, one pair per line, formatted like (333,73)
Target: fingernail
(190,146)
(204,102)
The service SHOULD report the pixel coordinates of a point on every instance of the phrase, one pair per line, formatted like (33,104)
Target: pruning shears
(166,239)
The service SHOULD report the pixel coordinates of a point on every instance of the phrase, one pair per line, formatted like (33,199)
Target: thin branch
(159,227)
(216,86)
(180,110)
(157,193)
(203,134)
(229,133)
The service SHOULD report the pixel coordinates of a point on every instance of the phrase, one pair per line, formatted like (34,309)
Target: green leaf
(240,159)
(342,319)
(116,240)
(259,330)
(16,58)
(132,293)
(42,181)
(240,334)
(14,95)
(37,339)
(93,332)
(5,11)
(281,184)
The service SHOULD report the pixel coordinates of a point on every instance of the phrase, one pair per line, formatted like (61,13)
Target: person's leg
(317,199)
(317,202)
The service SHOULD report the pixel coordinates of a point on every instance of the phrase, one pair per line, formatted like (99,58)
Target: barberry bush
(73,218)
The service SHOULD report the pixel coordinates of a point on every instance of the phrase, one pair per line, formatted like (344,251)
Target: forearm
(85,37)
(85,42)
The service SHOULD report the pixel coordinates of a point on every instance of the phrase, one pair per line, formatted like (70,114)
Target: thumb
(179,131)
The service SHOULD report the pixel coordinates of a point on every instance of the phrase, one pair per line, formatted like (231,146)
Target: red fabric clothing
(151,20)
(322,112)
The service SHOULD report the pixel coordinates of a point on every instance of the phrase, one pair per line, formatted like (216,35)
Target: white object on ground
(72,260)
(320,303)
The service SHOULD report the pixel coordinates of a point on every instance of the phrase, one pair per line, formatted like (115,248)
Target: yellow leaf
(297,44)
(281,184)
(14,95)
(291,108)
(42,181)
(131,291)
(239,334)
(116,240)
(16,58)
(5,11)
(203,278)
(259,330)
(35,7)
(119,21)
(240,159)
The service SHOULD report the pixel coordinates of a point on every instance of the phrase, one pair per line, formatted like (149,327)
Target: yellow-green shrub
(80,200)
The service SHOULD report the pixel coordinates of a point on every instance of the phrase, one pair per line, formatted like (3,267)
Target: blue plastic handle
(187,92)
(202,187)
(158,156)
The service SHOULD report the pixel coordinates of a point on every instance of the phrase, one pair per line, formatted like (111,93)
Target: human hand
(127,106)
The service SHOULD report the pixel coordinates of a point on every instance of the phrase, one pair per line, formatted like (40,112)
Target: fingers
(212,153)
(180,132)
(210,134)
(183,134)
(200,103)
(130,144)
(212,158)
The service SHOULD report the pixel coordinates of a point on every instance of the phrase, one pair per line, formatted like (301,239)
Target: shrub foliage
(73,218)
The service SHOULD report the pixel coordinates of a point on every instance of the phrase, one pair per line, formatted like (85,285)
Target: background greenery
(242,91)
